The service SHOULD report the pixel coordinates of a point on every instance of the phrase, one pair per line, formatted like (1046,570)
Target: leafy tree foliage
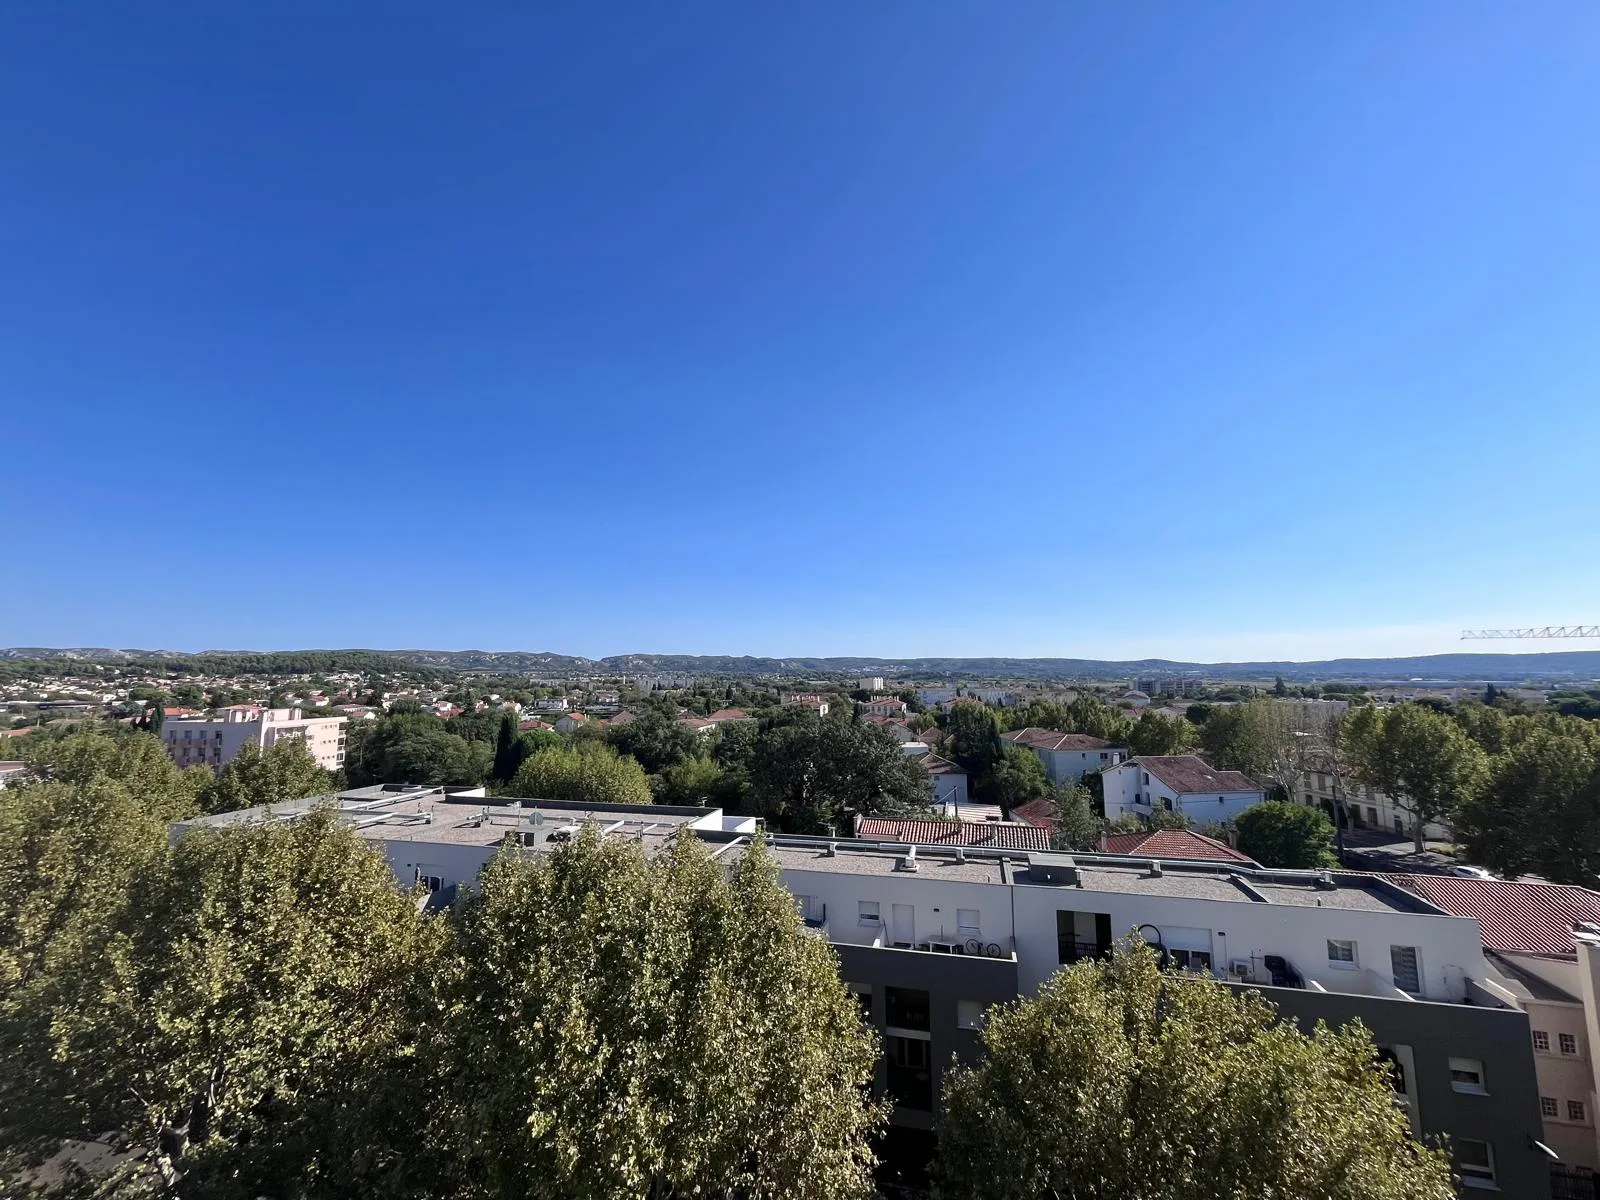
(1091,715)
(285,771)
(1121,1080)
(809,775)
(1539,812)
(578,1060)
(656,740)
(974,736)
(226,1024)
(412,746)
(591,773)
(1016,779)
(1154,733)
(1077,827)
(506,755)
(1276,834)
(1244,737)
(702,781)
(1418,756)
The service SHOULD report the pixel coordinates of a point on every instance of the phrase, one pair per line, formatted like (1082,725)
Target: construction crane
(1540,631)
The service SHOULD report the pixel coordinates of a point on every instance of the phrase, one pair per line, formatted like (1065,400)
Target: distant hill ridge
(1454,668)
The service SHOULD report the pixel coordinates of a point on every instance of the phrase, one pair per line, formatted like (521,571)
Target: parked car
(1468,872)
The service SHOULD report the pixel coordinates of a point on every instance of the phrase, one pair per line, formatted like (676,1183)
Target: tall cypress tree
(506,758)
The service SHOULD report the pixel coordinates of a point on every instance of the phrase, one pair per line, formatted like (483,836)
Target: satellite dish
(536,818)
(992,950)
(973,946)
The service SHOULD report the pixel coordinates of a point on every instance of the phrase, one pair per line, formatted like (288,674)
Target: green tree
(1279,688)
(1154,733)
(286,771)
(578,1060)
(226,1025)
(974,737)
(808,776)
(1276,834)
(1076,826)
(1088,714)
(592,773)
(656,740)
(1245,737)
(1016,779)
(1417,756)
(410,746)
(1538,812)
(1121,1080)
(697,781)
(506,757)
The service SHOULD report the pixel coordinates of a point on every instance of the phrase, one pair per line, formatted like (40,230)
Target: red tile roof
(1172,843)
(934,765)
(1004,835)
(729,714)
(1052,739)
(1038,811)
(1187,774)
(1516,918)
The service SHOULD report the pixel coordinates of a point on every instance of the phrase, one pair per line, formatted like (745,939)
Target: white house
(1067,757)
(1182,783)
(552,704)
(949,782)
(886,706)
(567,722)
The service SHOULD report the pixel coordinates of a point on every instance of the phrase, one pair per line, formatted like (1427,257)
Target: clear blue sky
(1224,330)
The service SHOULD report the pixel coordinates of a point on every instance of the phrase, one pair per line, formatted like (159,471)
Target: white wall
(1069,766)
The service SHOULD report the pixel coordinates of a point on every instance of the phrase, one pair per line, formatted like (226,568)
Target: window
(1191,960)
(1475,1161)
(432,882)
(907,1009)
(1407,973)
(867,912)
(967,920)
(1146,775)
(1341,953)
(969,1014)
(1575,1110)
(1541,1041)
(1466,1075)
(1547,1106)
(1569,1043)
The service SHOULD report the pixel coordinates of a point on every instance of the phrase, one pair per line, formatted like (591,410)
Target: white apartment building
(928,938)
(1182,783)
(1067,757)
(870,683)
(1365,807)
(949,782)
(213,741)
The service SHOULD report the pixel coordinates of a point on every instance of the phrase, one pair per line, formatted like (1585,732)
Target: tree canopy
(1419,757)
(589,773)
(1276,834)
(810,774)
(1121,1080)
(285,771)
(616,1027)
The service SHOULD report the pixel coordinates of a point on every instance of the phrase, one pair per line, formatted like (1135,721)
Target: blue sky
(1205,331)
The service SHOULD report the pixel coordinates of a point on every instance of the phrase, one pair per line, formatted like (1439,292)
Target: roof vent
(832,850)
(1155,867)
(1053,868)
(1325,881)
(909,862)
(961,854)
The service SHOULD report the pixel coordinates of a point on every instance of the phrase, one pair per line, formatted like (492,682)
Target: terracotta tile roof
(729,714)
(1004,835)
(1038,811)
(1189,773)
(934,765)
(1053,739)
(1172,843)
(1515,917)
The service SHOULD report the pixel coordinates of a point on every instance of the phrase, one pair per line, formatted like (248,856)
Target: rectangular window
(1407,974)
(967,920)
(1541,1040)
(1475,1161)
(1191,960)
(867,912)
(1575,1110)
(1341,953)
(907,1009)
(969,1014)
(1569,1043)
(1466,1075)
(1547,1106)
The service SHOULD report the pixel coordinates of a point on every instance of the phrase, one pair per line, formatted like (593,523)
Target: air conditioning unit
(1241,968)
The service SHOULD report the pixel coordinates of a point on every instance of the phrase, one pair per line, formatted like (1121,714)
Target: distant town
(1418,855)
